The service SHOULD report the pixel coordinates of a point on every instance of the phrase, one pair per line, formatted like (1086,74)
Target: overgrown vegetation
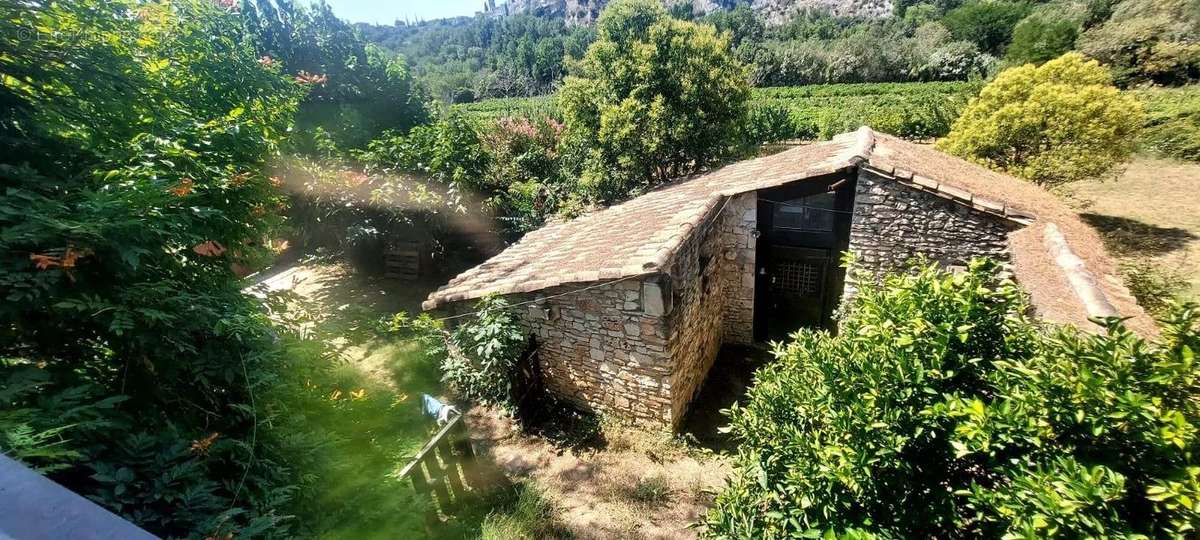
(473,58)
(1172,122)
(653,99)
(135,142)
(359,90)
(1058,122)
(940,409)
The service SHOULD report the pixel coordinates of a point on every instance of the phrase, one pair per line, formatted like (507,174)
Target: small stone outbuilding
(629,305)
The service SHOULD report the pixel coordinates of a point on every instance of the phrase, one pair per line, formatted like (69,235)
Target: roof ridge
(864,139)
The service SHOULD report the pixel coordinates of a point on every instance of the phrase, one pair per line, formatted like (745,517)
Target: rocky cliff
(772,11)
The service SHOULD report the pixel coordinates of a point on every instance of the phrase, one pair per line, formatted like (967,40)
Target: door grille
(800,278)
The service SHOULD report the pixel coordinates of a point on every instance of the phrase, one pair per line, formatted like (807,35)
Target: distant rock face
(774,12)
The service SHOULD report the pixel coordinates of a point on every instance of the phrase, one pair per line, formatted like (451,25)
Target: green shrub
(1058,122)
(137,137)
(1148,41)
(769,122)
(481,363)
(941,410)
(654,98)
(1172,122)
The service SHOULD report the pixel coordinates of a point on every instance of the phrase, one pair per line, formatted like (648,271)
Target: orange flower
(211,248)
(185,187)
(46,261)
(266,61)
(276,181)
(239,179)
(305,77)
(201,446)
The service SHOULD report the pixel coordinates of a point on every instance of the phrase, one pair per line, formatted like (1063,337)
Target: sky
(387,11)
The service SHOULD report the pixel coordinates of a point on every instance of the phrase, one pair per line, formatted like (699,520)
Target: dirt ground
(1150,212)
(640,485)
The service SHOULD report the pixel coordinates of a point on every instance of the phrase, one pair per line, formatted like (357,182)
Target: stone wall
(893,223)
(737,227)
(695,324)
(712,278)
(605,349)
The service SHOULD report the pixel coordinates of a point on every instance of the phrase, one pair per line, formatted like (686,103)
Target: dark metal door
(797,283)
(803,229)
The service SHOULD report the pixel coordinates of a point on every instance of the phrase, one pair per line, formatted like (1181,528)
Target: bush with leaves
(479,355)
(364,90)
(1058,122)
(1148,41)
(987,23)
(940,409)
(134,173)
(525,183)
(1042,36)
(482,360)
(1172,121)
(654,98)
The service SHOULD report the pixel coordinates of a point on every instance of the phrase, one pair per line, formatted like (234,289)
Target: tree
(653,98)
(1041,38)
(1058,122)
(940,410)
(364,90)
(987,23)
(1148,41)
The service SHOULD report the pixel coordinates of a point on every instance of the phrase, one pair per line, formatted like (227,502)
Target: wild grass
(530,515)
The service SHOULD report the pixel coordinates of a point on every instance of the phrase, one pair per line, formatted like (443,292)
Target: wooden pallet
(402,262)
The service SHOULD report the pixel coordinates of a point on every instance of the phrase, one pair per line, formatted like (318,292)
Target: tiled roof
(641,235)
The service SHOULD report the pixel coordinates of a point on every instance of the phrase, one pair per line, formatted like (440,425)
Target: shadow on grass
(1130,237)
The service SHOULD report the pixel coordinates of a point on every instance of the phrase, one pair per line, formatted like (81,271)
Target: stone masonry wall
(713,301)
(737,228)
(605,349)
(893,223)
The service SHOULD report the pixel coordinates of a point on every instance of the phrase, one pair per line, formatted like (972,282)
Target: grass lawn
(1149,216)
(358,401)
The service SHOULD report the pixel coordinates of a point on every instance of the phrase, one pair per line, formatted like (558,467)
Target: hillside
(773,12)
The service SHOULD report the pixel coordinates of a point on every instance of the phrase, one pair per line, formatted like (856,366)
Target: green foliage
(911,110)
(137,137)
(1172,122)
(479,356)
(365,90)
(532,515)
(482,363)
(447,153)
(1058,122)
(987,23)
(1040,38)
(525,181)
(941,410)
(894,51)
(483,57)
(654,98)
(1148,41)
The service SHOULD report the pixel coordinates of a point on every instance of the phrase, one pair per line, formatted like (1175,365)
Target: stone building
(630,305)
